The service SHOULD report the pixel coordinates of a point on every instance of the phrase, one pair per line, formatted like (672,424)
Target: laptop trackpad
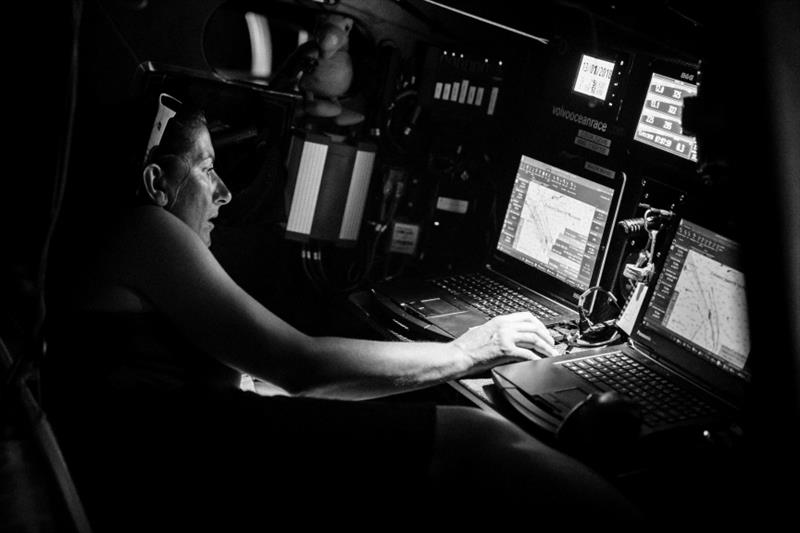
(431,307)
(567,397)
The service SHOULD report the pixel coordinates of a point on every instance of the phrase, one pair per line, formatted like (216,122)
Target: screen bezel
(609,92)
(563,90)
(643,110)
(662,348)
(527,274)
(644,157)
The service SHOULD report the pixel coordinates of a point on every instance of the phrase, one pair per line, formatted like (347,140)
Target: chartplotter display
(556,221)
(659,123)
(700,300)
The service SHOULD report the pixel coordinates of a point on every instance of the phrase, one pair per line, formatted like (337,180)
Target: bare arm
(167,263)
(372,368)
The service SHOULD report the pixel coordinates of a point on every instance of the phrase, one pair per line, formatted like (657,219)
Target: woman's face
(199,196)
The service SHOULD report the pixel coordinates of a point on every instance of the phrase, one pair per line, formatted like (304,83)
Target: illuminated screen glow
(700,300)
(555,221)
(659,123)
(594,77)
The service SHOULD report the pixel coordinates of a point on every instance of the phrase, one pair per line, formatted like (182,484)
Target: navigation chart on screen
(707,308)
(554,229)
(555,221)
(700,299)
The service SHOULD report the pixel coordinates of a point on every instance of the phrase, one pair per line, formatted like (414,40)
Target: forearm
(362,369)
(255,342)
(335,367)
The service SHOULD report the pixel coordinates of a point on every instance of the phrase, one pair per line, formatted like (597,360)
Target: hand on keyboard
(506,338)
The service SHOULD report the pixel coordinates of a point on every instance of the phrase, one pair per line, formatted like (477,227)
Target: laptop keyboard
(661,401)
(491,296)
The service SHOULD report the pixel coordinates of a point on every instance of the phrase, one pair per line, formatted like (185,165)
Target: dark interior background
(75,115)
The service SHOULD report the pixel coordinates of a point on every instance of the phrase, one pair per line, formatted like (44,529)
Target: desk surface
(699,472)
(479,390)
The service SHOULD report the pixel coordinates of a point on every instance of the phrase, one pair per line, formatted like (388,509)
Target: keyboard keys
(661,400)
(491,296)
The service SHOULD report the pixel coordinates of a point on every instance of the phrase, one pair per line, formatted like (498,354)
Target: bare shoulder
(152,244)
(154,222)
(156,229)
(133,253)
(170,266)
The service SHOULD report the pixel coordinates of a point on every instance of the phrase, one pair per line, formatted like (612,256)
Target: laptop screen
(699,300)
(555,221)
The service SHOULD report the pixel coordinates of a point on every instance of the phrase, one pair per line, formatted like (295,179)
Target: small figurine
(326,70)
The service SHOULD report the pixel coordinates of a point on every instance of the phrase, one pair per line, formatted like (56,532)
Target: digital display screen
(660,120)
(594,77)
(699,301)
(555,221)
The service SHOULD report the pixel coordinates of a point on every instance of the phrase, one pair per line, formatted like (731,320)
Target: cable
(584,314)
(305,262)
(319,267)
(589,328)
(399,140)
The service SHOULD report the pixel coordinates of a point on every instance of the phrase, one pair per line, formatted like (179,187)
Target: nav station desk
(696,481)
(478,391)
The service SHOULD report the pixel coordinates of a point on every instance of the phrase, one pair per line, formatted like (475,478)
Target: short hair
(178,138)
(175,144)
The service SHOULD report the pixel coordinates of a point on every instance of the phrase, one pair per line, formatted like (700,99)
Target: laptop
(551,247)
(690,342)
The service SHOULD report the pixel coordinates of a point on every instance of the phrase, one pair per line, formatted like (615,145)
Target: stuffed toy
(325,70)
